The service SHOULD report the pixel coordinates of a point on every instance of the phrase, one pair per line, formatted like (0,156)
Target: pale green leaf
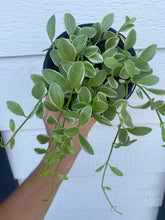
(149,53)
(111,43)
(116,171)
(123,136)
(51,27)
(149,80)
(127,119)
(90,51)
(89,69)
(139,130)
(102,119)
(99,106)
(54,55)
(112,82)
(56,95)
(12,125)
(111,52)
(40,111)
(157,104)
(107,22)
(38,90)
(162,109)
(85,115)
(129,67)
(84,95)
(87,31)
(54,76)
(12,142)
(76,74)
(98,79)
(156,91)
(85,144)
(97,58)
(99,168)
(63,177)
(36,78)
(66,50)
(71,132)
(111,62)
(51,120)
(15,108)
(50,106)
(108,92)
(79,42)
(70,23)
(130,40)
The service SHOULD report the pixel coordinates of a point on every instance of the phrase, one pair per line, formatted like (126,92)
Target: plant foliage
(95,69)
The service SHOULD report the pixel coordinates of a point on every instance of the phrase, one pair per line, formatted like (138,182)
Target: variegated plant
(92,79)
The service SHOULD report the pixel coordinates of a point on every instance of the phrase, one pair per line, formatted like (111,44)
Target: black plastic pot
(48,63)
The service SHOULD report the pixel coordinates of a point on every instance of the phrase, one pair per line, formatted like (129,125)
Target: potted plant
(90,71)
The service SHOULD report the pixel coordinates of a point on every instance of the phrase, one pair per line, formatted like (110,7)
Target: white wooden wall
(137,194)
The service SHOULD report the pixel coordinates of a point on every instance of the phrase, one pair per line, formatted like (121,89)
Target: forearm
(26,202)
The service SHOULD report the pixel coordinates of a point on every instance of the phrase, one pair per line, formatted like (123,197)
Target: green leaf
(123,74)
(130,40)
(156,91)
(63,177)
(112,82)
(108,92)
(56,95)
(139,130)
(54,76)
(149,53)
(36,78)
(163,132)
(71,132)
(66,50)
(40,150)
(116,171)
(70,23)
(12,125)
(97,58)
(71,115)
(126,27)
(111,63)
(57,138)
(12,143)
(111,42)
(76,74)
(90,51)
(84,95)
(54,55)
(139,93)
(127,119)
(111,52)
(101,97)
(15,108)
(100,168)
(110,113)
(51,120)
(99,106)
(38,90)
(89,69)
(85,144)
(51,27)
(107,187)
(79,42)
(162,109)
(148,80)
(107,22)
(59,131)
(129,67)
(40,112)
(143,106)
(98,79)
(87,31)
(156,104)
(50,106)
(123,136)
(85,115)
(102,120)
(43,138)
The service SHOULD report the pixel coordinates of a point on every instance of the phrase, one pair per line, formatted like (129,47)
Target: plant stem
(27,118)
(146,94)
(105,169)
